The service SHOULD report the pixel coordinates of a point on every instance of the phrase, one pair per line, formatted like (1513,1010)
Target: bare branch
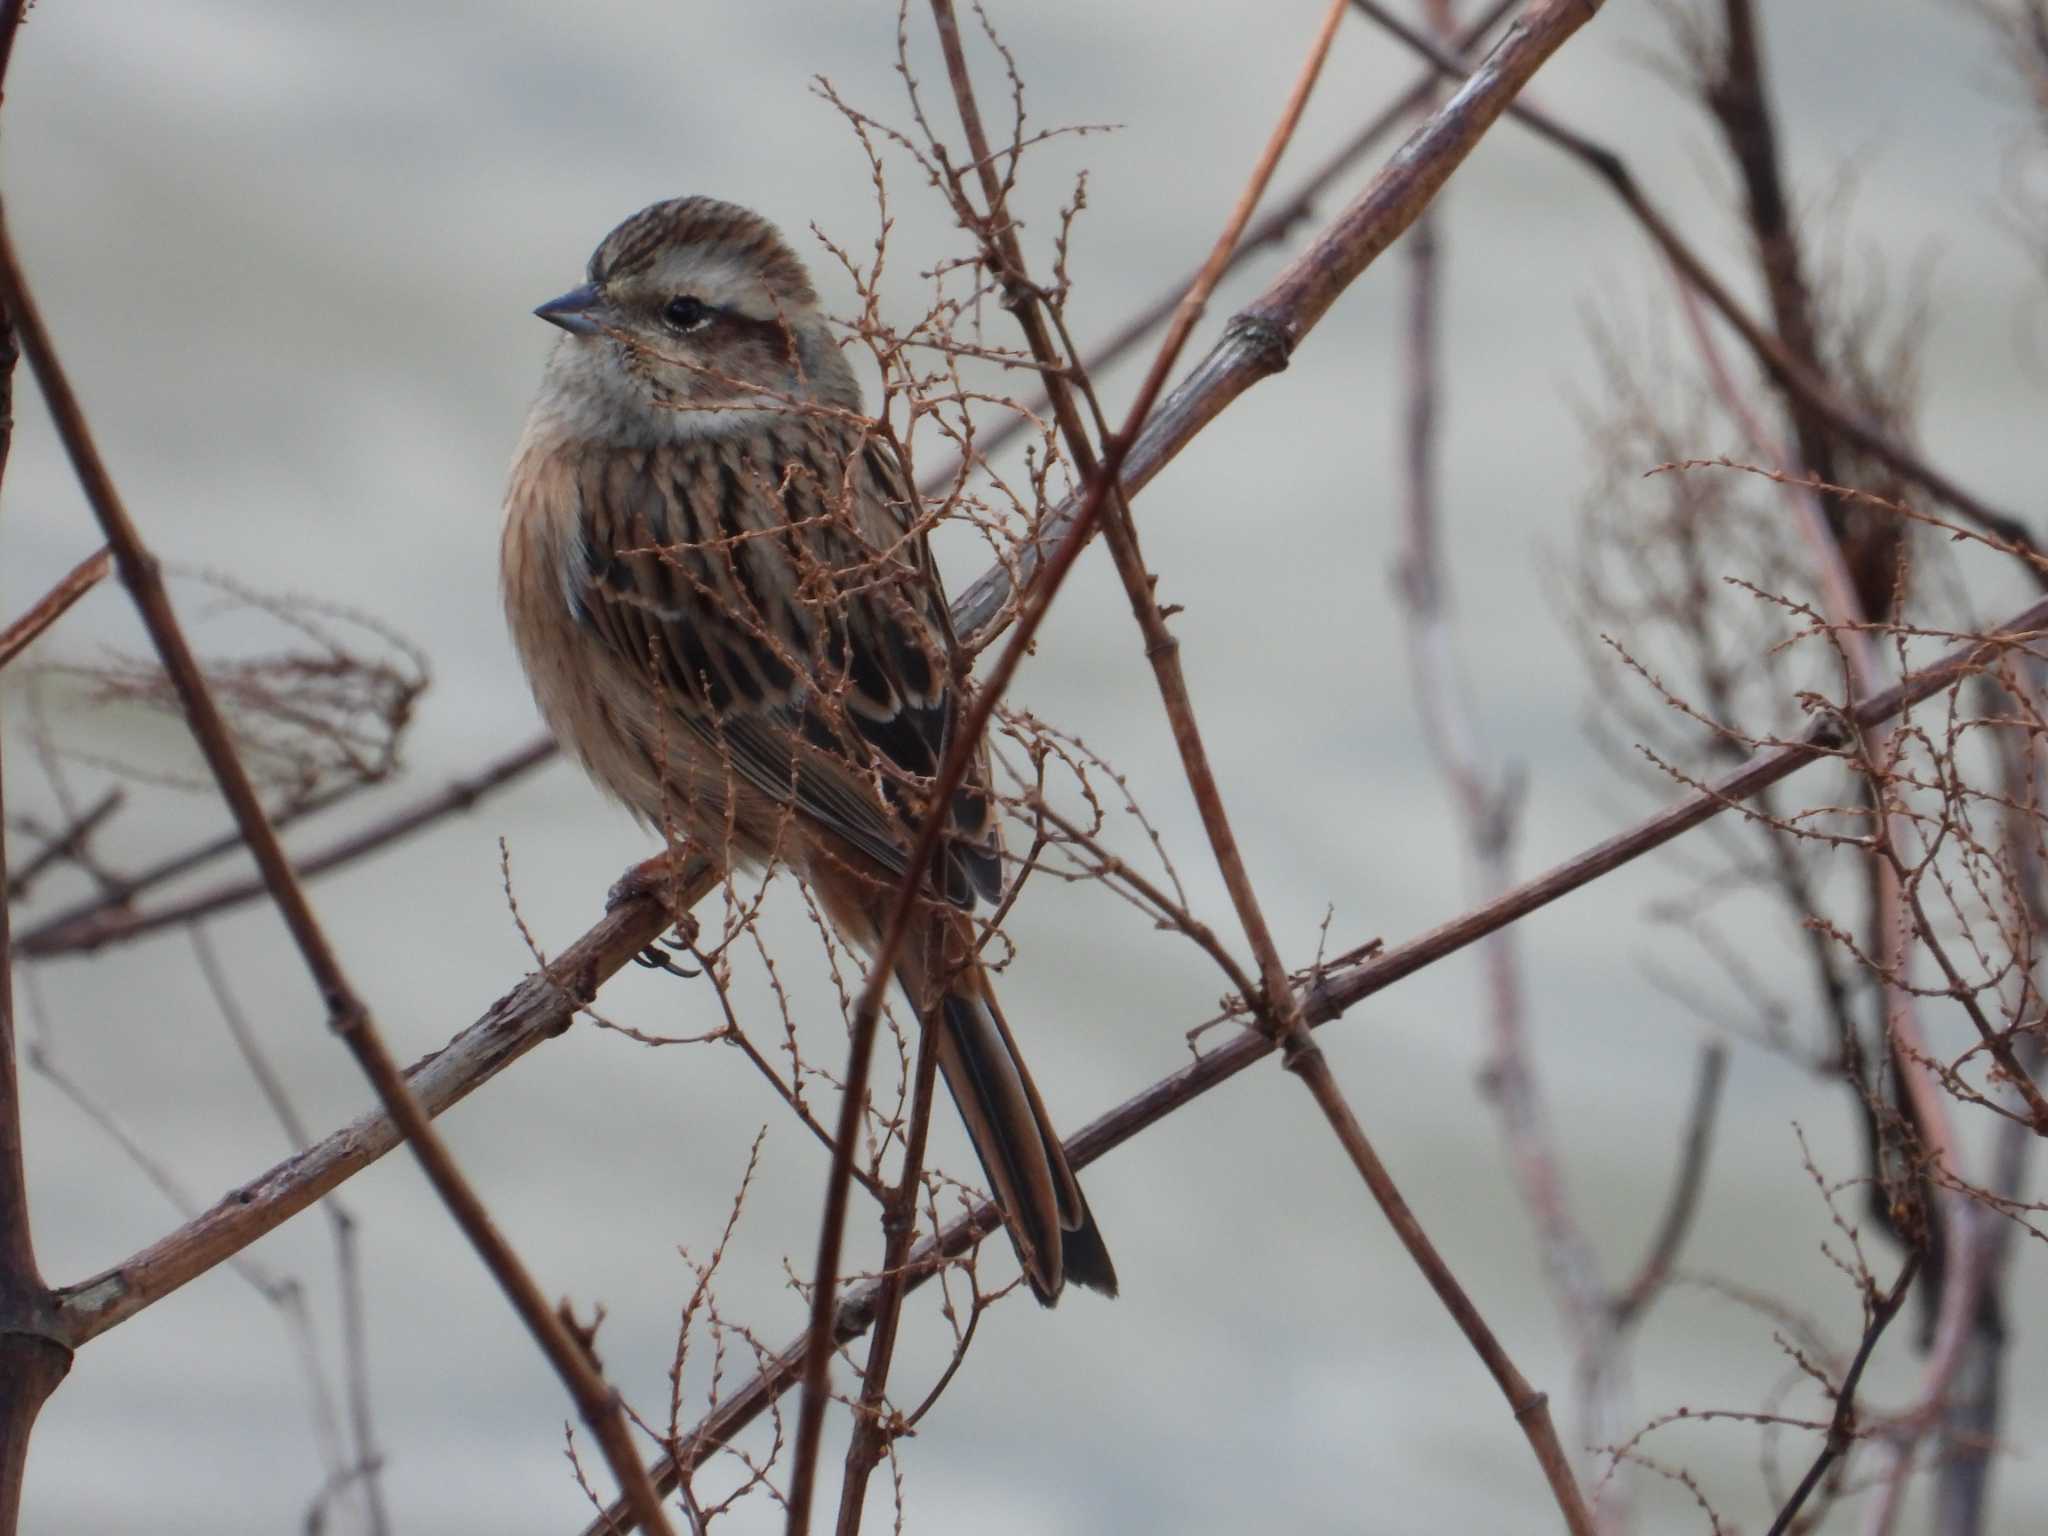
(109,920)
(54,604)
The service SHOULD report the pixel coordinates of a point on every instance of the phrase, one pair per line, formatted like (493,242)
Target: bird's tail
(1043,1208)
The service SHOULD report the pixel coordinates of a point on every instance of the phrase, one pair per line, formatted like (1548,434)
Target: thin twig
(1531,1407)
(347,1014)
(32,1364)
(960,752)
(54,604)
(1685,1188)
(1270,228)
(109,920)
(1784,365)
(1842,1427)
(70,843)
(1485,798)
(365,1462)
(871,1433)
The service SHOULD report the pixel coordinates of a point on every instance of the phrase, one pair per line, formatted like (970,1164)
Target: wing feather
(810,650)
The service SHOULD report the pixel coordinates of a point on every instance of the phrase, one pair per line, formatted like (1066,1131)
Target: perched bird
(713,576)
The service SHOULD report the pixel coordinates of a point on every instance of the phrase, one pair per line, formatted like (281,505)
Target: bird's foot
(659,879)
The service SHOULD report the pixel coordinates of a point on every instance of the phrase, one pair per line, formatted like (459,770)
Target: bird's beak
(580,311)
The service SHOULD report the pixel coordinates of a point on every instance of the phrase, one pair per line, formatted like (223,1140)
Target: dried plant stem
(1162,649)
(109,920)
(1841,1432)
(1259,339)
(540,1007)
(347,1014)
(32,1365)
(116,892)
(1650,1276)
(811,1412)
(365,1462)
(1792,372)
(1270,228)
(1531,1407)
(54,604)
(1485,799)
(1326,997)
(871,1434)
(1274,1006)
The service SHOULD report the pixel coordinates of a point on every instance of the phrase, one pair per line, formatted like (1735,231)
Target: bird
(721,593)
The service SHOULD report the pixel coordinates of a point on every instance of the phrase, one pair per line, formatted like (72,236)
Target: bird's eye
(686,312)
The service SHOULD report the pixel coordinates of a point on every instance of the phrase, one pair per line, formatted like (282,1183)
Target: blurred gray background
(288,250)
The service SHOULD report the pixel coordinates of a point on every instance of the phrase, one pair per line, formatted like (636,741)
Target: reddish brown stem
(347,1015)
(1531,1407)
(109,920)
(1323,998)
(1791,371)
(965,744)
(54,604)
(32,1364)
(899,1223)
(1270,228)
(538,1009)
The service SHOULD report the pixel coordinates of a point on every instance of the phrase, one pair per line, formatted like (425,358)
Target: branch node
(1269,343)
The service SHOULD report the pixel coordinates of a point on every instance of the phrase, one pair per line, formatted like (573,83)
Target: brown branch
(54,604)
(1685,1188)
(1275,1008)
(31,1364)
(347,1014)
(960,752)
(1531,1407)
(118,891)
(1270,228)
(1004,252)
(1259,339)
(1842,1430)
(1787,368)
(69,843)
(366,1463)
(1762,769)
(108,920)
(537,1009)
(871,1431)
(1485,798)
(543,1005)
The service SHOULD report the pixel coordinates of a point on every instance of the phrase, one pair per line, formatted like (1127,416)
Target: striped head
(697,319)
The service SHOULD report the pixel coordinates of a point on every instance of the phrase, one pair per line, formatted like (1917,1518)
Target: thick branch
(539,1007)
(347,1014)
(1323,998)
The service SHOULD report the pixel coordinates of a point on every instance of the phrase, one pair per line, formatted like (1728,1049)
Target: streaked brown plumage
(712,579)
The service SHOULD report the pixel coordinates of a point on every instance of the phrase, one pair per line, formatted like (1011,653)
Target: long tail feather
(1043,1208)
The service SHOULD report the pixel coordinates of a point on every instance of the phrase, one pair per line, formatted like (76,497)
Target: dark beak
(580,311)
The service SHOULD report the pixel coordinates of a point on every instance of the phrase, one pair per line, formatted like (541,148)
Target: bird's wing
(807,645)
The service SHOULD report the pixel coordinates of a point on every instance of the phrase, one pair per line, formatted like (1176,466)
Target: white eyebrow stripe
(720,278)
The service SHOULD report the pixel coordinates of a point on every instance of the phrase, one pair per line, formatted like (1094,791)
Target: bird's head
(697,319)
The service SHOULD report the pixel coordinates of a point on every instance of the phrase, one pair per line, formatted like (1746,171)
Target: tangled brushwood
(1815,651)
